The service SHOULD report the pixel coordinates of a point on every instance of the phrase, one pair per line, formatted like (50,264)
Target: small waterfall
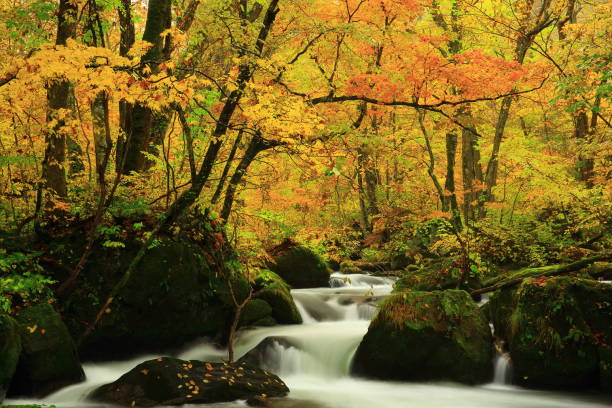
(503,369)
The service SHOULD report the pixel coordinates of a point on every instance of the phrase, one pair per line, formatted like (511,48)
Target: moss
(255,310)
(10,349)
(560,332)
(301,268)
(416,334)
(174,296)
(278,296)
(500,308)
(439,276)
(49,360)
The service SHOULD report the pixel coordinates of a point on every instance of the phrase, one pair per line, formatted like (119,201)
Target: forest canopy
(346,124)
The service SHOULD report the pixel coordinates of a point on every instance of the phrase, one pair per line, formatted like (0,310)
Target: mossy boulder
(170,381)
(272,289)
(499,310)
(427,336)
(561,333)
(10,350)
(174,296)
(299,266)
(441,275)
(49,359)
(255,310)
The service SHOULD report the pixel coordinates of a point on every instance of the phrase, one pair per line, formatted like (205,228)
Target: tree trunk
(143,127)
(472,172)
(58,94)
(257,145)
(221,185)
(128,37)
(450,197)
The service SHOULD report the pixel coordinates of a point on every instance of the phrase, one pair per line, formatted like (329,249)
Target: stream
(314,360)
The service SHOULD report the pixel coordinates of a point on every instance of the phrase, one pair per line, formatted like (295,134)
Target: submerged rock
(560,334)
(259,356)
(49,359)
(299,266)
(425,336)
(10,349)
(170,381)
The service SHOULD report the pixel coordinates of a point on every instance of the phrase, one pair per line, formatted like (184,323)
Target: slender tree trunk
(58,98)
(450,197)
(257,145)
(144,128)
(226,169)
(128,37)
(472,172)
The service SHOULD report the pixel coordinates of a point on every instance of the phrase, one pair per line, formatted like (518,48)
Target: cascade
(314,360)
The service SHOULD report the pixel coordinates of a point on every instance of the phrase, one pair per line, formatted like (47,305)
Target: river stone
(427,336)
(272,289)
(10,349)
(561,333)
(255,310)
(173,297)
(259,355)
(299,266)
(170,381)
(49,359)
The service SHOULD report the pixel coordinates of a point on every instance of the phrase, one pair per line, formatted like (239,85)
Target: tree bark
(143,127)
(256,145)
(58,94)
(546,271)
(221,185)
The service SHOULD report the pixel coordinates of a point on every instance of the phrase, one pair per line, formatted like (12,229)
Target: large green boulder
(169,381)
(299,266)
(175,295)
(255,311)
(561,333)
(427,336)
(10,349)
(49,359)
(275,292)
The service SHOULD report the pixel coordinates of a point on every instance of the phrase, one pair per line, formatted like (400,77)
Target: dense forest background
(169,169)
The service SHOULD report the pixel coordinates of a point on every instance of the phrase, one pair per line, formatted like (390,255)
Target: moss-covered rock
(441,275)
(174,296)
(424,336)
(255,310)
(273,290)
(10,350)
(499,310)
(170,381)
(49,359)
(561,333)
(299,266)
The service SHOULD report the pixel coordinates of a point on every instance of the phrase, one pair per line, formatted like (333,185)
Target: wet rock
(170,381)
(272,289)
(10,349)
(255,310)
(49,359)
(299,266)
(259,356)
(173,297)
(427,336)
(561,333)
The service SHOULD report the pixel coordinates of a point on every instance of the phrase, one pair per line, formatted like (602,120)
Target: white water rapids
(314,360)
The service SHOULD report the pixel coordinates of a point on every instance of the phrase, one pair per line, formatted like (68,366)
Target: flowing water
(314,360)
